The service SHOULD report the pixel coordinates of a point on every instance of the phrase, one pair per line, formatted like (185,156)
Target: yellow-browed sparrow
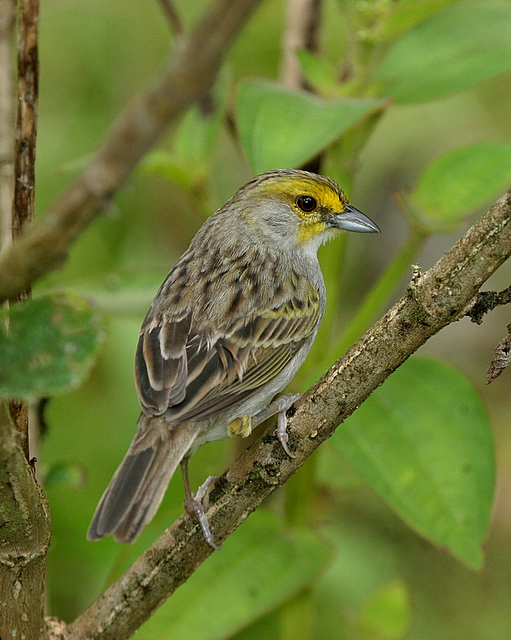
(226,332)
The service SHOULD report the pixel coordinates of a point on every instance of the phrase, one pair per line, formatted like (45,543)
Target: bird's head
(297,209)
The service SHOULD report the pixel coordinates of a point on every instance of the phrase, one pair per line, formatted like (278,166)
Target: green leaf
(280,127)
(461,180)
(319,73)
(197,133)
(69,474)
(388,613)
(407,14)
(194,141)
(456,49)
(49,345)
(259,567)
(423,442)
(167,165)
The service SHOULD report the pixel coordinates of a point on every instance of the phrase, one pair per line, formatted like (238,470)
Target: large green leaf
(454,50)
(47,345)
(259,567)
(407,14)
(461,180)
(280,127)
(423,442)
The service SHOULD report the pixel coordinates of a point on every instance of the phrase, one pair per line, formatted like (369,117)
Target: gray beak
(353,220)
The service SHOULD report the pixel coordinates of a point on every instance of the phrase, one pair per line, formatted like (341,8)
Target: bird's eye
(306,203)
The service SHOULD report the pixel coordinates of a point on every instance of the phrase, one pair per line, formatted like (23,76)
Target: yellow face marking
(326,195)
(309,229)
(329,197)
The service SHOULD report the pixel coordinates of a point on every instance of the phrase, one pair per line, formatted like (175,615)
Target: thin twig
(7,21)
(189,76)
(501,359)
(26,116)
(433,300)
(486,301)
(24,169)
(302,32)
(172,15)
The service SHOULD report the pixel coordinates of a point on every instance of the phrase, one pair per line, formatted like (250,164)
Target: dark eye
(306,203)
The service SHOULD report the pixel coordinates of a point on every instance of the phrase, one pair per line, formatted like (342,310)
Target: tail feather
(139,484)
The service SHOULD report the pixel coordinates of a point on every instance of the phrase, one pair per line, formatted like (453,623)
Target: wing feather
(189,375)
(161,366)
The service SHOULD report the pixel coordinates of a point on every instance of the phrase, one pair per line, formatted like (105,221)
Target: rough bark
(24,540)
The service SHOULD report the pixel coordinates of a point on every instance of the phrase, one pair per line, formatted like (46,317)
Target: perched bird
(228,329)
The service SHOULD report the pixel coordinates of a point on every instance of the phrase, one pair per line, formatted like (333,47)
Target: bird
(226,332)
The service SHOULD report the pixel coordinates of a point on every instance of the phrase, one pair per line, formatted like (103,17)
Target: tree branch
(189,76)
(24,540)
(7,21)
(501,359)
(172,15)
(302,32)
(24,166)
(487,301)
(26,116)
(433,300)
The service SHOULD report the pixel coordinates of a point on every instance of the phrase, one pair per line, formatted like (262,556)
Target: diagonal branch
(172,15)
(189,76)
(433,300)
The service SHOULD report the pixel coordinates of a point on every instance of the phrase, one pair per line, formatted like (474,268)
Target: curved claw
(280,407)
(282,433)
(193,503)
(194,506)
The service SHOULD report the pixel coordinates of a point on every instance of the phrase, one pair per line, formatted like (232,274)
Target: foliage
(47,346)
(255,573)
(438,480)
(422,442)
(275,123)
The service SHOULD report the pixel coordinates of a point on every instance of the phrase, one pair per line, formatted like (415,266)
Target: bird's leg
(280,407)
(193,503)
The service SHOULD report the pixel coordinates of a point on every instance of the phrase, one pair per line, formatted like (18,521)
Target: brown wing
(189,376)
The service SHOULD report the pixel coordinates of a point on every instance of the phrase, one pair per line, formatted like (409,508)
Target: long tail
(139,484)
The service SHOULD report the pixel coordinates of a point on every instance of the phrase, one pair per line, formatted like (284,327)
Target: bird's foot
(194,506)
(282,421)
(280,407)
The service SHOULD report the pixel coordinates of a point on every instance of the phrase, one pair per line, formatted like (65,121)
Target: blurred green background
(370,576)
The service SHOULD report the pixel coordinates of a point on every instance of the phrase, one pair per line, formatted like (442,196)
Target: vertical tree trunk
(24,540)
